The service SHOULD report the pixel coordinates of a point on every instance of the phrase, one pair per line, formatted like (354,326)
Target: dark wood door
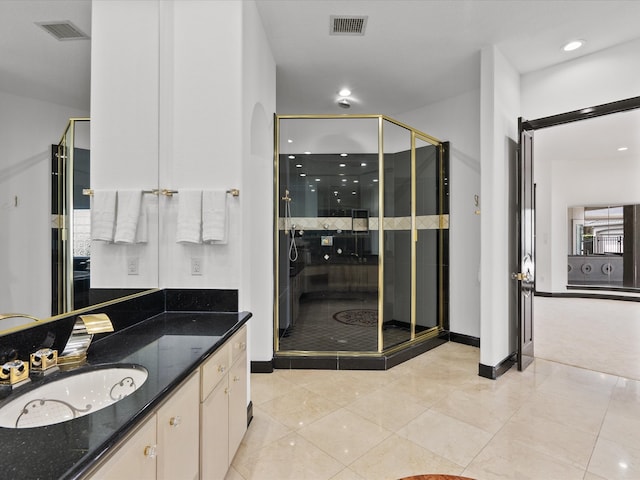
(525,211)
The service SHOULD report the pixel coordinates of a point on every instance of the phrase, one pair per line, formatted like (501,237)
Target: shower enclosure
(361,236)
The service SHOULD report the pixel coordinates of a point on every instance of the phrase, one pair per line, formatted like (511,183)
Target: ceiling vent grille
(63,30)
(347,24)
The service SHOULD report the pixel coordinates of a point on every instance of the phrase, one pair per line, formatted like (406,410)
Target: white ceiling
(35,64)
(413,53)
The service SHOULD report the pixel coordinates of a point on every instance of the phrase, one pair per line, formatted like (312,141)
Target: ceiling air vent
(347,24)
(63,30)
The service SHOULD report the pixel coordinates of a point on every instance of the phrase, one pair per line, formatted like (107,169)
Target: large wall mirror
(587,198)
(45,83)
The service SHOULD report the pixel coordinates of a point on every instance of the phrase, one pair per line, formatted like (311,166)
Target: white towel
(128,214)
(103,215)
(189,216)
(214,216)
(142,232)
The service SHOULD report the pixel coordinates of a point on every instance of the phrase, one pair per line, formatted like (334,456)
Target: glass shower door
(328,251)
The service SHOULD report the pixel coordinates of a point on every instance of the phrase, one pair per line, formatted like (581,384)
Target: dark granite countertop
(170,346)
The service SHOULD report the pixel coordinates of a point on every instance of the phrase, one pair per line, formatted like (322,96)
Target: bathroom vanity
(186,420)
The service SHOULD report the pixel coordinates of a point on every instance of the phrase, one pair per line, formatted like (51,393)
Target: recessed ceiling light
(292,157)
(298,165)
(345,92)
(356,181)
(375,179)
(341,174)
(317,179)
(343,164)
(622,149)
(290,141)
(307,153)
(363,164)
(343,154)
(303,174)
(573,45)
(344,179)
(313,189)
(353,193)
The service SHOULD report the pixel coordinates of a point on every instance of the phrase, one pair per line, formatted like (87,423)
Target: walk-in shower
(361,237)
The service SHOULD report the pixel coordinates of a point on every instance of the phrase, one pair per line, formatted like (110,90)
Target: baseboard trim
(493,372)
(597,296)
(262,366)
(464,339)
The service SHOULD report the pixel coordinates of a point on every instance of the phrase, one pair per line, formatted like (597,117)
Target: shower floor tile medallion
(358,316)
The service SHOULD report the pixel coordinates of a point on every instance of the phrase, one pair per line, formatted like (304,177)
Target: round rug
(359,316)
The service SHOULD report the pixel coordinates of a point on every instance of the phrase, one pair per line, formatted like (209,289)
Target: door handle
(522,277)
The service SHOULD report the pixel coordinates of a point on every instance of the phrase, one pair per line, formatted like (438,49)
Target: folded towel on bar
(142,232)
(189,216)
(103,215)
(214,216)
(127,215)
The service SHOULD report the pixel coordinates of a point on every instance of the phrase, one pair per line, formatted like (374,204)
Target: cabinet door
(214,370)
(237,404)
(238,344)
(136,459)
(179,432)
(214,439)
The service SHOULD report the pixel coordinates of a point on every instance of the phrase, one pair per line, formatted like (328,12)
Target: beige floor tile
(613,460)
(486,410)
(448,437)
(344,387)
(578,413)
(344,435)
(562,442)
(290,458)
(262,431)
(388,408)
(397,457)
(348,474)
(267,386)
(504,459)
(233,474)
(621,428)
(299,407)
(593,476)
(425,392)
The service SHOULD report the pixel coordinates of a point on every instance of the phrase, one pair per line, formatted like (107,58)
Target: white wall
(258,107)
(457,120)
(500,108)
(201,133)
(124,128)
(29,128)
(602,77)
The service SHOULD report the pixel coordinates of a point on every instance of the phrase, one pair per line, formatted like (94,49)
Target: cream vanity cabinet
(223,408)
(166,445)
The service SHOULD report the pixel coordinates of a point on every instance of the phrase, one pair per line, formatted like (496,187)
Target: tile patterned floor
(434,414)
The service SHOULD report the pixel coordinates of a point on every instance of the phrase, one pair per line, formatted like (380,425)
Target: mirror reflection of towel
(103,215)
(189,216)
(128,215)
(214,216)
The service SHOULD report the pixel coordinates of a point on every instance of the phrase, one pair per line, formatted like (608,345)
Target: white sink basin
(72,396)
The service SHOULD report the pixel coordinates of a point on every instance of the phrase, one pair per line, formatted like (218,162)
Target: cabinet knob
(221,368)
(175,421)
(151,451)
(241,346)
(236,379)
